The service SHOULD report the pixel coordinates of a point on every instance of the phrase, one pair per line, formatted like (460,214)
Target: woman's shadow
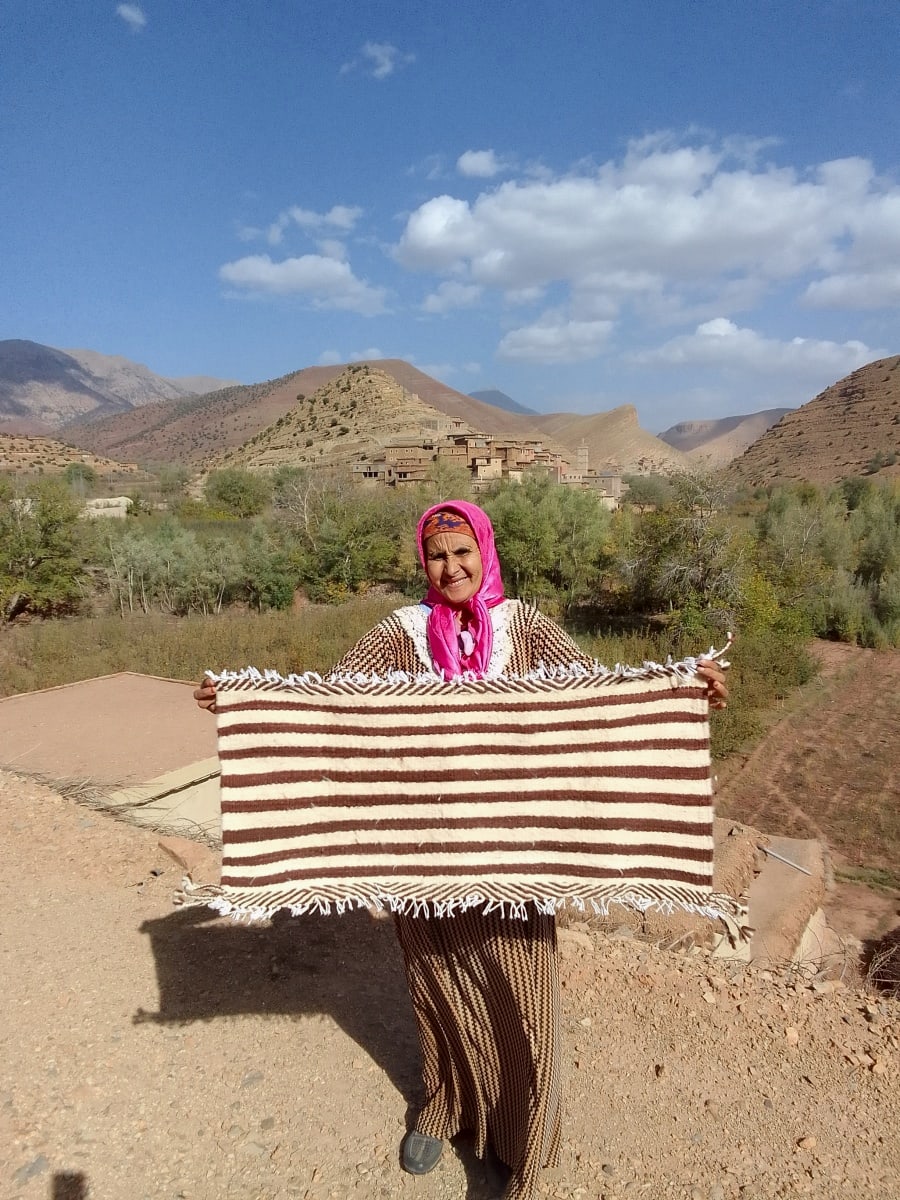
(349,968)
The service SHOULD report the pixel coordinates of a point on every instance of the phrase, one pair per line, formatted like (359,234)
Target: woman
(484,989)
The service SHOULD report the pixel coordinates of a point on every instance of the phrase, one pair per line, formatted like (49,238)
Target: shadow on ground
(349,968)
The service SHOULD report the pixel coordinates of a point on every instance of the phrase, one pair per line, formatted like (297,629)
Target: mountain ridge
(199,430)
(43,388)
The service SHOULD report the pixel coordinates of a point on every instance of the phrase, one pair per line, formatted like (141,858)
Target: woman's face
(453,566)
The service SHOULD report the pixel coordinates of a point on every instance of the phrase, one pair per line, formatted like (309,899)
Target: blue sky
(691,207)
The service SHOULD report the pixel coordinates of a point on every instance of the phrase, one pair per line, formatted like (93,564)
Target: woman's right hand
(205,694)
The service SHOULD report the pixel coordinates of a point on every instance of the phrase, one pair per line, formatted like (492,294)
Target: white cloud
(380,59)
(670,217)
(857,289)
(865,273)
(480,164)
(133,16)
(451,295)
(671,231)
(341,216)
(721,343)
(556,339)
(329,358)
(332,248)
(366,355)
(327,281)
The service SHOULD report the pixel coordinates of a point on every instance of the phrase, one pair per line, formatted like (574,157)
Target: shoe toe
(421,1153)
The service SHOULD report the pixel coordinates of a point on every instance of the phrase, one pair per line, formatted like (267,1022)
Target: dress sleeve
(545,642)
(386,647)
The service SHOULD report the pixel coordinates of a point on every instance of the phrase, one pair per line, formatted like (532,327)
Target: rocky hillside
(24,455)
(850,429)
(345,420)
(713,444)
(614,438)
(42,388)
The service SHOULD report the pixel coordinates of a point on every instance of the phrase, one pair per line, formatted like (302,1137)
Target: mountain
(201,429)
(714,443)
(346,420)
(197,429)
(614,439)
(43,389)
(501,400)
(850,429)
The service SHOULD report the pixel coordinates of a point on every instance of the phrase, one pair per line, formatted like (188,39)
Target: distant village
(407,461)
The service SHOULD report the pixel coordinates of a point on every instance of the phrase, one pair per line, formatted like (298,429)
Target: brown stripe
(376,874)
(463,751)
(422,729)
(545,703)
(434,778)
(292,804)
(633,824)
(401,850)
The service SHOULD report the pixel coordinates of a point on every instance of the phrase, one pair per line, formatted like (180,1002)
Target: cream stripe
(324,790)
(508,839)
(473,812)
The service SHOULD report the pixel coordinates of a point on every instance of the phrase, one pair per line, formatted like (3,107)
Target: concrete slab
(184,802)
(784,897)
(110,732)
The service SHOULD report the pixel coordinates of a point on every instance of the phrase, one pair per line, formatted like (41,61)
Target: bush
(238,492)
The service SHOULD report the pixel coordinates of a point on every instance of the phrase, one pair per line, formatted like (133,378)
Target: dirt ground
(153,1053)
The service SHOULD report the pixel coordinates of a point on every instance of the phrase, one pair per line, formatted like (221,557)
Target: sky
(687,206)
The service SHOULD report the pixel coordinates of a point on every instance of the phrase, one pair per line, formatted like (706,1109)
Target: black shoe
(420,1153)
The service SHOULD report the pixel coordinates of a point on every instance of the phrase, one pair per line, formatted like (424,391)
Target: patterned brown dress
(485,990)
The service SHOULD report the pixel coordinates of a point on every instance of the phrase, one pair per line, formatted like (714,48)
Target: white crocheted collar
(414,619)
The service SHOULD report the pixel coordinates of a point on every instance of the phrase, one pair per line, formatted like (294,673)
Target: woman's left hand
(716,689)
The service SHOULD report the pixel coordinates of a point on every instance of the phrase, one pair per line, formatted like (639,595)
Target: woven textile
(431,796)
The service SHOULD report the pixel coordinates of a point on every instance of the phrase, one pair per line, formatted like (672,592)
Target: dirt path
(158,1054)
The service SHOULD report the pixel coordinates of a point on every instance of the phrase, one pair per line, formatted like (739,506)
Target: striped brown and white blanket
(429,796)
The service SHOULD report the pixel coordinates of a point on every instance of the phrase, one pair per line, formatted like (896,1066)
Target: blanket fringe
(683,669)
(715,907)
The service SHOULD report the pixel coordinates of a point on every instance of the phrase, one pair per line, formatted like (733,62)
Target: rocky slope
(343,421)
(850,429)
(200,430)
(41,455)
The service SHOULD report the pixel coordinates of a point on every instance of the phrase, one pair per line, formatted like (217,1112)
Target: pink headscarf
(443,635)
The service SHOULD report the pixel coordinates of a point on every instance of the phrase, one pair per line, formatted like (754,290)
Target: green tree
(42,560)
(688,554)
(80,477)
(238,492)
(647,491)
(552,539)
(173,480)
